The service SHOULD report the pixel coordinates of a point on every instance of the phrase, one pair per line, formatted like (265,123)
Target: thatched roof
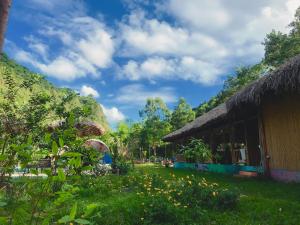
(84,128)
(286,79)
(201,121)
(97,144)
(89,128)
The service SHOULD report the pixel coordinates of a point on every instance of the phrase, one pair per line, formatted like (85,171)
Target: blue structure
(107,158)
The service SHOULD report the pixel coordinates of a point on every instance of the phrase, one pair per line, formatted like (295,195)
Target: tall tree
(155,117)
(232,84)
(279,47)
(4,8)
(182,114)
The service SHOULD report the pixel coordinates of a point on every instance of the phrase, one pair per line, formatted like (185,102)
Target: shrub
(197,151)
(121,165)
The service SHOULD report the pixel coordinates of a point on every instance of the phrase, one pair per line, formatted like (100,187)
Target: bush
(101,170)
(121,166)
(197,151)
(186,192)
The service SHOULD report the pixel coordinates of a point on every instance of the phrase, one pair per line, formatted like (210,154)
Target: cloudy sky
(124,51)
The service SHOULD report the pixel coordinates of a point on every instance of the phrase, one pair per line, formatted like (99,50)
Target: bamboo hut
(263,120)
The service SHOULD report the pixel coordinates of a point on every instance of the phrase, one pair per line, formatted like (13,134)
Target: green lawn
(261,201)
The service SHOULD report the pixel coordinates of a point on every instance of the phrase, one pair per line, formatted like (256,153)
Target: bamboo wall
(281,118)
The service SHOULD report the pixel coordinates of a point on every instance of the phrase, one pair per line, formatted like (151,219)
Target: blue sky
(124,51)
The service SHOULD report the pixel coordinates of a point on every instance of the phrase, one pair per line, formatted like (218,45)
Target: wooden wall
(281,118)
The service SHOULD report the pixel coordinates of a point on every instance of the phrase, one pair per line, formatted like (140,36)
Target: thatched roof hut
(89,128)
(212,116)
(263,118)
(97,144)
(84,128)
(285,79)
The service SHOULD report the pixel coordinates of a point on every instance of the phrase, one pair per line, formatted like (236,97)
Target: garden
(150,194)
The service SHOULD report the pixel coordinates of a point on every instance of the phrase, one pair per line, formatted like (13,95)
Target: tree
(182,114)
(20,124)
(136,141)
(279,47)
(156,124)
(295,25)
(4,8)
(232,84)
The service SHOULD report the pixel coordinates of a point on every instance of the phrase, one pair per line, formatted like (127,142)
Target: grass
(261,201)
(117,200)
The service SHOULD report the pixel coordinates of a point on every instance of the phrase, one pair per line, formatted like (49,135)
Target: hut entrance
(252,139)
(246,143)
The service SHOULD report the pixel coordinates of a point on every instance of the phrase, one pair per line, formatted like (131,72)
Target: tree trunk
(4,8)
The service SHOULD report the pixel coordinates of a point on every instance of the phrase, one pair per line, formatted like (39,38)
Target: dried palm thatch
(84,128)
(97,144)
(89,129)
(216,113)
(286,79)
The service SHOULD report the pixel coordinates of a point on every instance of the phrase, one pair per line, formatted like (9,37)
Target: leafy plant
(197,151)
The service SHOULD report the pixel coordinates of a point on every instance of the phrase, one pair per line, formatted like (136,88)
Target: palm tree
(4,8)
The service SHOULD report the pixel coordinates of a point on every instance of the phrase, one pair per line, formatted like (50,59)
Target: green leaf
(48,138)
(61,175)
(46,221)
(3,220)
(65,219)
(34,171)
(90,209)
(29,140)
(73,211)
(61,142)
(72,154)
(3,204)
(86,168)
(54,148)
(82,221)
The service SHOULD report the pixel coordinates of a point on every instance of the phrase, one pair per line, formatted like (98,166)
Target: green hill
(19,73)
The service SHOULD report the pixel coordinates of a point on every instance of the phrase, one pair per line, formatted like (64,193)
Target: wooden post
(263,145)
(4,9)
(246,141)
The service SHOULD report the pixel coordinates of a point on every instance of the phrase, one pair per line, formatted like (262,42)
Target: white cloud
(87,90)
(142,36)
(113,115)
(185,68)
(137,94)
(238,25)
(205,14)
(206,40)
(37,46)
(83,45)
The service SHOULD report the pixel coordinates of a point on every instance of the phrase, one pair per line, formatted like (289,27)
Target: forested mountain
(19,74)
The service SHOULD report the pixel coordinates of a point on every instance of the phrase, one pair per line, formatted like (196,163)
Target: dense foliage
(197,151)
(42,87)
